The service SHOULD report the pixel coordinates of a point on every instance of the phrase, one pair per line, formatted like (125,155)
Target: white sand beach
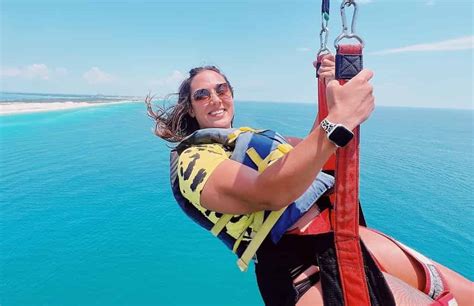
(33,107)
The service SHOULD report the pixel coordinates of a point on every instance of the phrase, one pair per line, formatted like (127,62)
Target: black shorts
(278,265)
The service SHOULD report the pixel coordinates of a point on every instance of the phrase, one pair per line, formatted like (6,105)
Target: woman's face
(211,100)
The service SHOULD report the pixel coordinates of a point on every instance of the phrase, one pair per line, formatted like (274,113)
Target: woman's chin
(220,126)
(223,123)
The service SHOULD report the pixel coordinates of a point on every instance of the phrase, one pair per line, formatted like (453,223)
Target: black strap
(379,292)
(325,7)
(361,216)
(304,285)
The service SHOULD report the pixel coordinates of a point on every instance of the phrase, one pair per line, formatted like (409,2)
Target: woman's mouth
(217,113)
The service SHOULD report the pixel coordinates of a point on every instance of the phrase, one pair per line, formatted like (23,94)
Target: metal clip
(323,35)
(345,29)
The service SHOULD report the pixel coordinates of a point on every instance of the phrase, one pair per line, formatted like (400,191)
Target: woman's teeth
(216,113)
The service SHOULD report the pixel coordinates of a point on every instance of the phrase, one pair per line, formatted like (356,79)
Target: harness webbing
(243,261)
(346,227)
(220,224)
(261,226)
(323,111)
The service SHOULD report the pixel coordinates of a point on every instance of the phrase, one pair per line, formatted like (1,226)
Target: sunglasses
(204,95)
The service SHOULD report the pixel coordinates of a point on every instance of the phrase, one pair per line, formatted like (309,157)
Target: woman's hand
(352,103)
(327,70)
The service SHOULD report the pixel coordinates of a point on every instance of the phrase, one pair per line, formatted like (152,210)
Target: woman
(212,184)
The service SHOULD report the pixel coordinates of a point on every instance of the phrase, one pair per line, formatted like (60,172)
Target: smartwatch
(338,134)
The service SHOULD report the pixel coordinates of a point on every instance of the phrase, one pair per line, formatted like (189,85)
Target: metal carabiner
(324,33)
(345,29)
(323,38)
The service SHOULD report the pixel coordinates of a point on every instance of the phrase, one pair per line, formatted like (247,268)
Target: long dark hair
(173,123)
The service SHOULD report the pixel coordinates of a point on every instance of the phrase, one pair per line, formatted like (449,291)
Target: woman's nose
(215,97)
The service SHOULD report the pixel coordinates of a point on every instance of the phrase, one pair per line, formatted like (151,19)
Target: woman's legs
(397,263)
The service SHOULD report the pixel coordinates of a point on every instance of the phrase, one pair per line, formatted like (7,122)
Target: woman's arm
(237,189)
(294,141)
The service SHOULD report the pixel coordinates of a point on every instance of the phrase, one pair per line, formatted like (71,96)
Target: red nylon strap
(346,227)
(322,102)
(323,112)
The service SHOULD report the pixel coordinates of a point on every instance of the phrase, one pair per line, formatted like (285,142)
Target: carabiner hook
(323,38)
(324,33)
(345,29)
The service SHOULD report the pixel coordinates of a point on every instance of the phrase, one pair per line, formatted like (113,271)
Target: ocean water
(87,215)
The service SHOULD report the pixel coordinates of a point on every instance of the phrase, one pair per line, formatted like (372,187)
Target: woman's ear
(191,112)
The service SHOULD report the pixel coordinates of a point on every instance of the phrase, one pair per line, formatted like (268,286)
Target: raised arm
(237,189)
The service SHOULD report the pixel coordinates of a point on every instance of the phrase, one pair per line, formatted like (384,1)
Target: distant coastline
(34,107)
(12,103)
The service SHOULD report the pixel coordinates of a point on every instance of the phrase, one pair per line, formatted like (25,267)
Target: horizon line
(237,100)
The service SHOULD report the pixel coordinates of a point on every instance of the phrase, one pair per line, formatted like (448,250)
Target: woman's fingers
(329,57)
(327,60)
(329,63)
(352,103)
(326,71)
(327,76)
(364,75)
(326,68)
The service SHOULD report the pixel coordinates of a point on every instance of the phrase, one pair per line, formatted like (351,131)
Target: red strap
(322,102)
(323,112)
(346,227)
(321,224)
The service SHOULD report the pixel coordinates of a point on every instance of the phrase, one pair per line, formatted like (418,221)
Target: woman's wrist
(337,118)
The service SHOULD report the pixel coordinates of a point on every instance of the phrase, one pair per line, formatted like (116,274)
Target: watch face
(340,136)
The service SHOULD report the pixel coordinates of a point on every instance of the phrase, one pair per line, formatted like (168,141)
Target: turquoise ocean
(88,218)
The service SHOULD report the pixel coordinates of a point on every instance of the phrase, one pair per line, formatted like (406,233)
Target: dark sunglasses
(204,95)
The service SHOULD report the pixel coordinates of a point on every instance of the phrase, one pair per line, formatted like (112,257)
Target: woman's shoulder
(195,165)
(202,158)
(204,150)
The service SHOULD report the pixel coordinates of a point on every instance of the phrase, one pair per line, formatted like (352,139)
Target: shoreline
(8,108)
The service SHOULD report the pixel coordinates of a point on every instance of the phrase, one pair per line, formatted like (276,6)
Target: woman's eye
(201,94)
(221,89)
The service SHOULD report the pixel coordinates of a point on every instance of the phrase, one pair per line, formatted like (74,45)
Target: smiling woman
(197,105)
(265,196)
(211,111)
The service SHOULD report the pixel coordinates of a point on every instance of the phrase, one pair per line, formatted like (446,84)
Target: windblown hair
(173,123)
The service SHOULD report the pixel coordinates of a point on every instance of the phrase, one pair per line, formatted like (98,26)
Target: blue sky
(421,51)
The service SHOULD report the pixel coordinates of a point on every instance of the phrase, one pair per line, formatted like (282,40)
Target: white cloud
(462,43)
(97,76)
(34,71)
(37,71)
(430,2)
(169,82)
